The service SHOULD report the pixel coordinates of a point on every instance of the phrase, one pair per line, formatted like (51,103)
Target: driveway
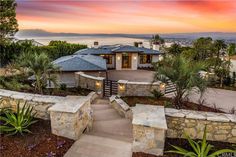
(224,100)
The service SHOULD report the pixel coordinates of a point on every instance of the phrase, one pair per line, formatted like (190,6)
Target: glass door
(126,60)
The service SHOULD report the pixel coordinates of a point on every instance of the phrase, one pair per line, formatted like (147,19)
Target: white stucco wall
(233,68)
(118,61)
(134,64)
(67,78)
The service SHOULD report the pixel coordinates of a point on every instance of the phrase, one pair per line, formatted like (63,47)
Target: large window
(108,58)
(145,59)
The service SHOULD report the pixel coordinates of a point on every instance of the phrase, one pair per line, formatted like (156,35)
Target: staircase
(170,88)
(111,134)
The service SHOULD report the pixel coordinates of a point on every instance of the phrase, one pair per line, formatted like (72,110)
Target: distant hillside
(191,36)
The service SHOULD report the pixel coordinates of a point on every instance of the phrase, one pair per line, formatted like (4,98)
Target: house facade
(124,57)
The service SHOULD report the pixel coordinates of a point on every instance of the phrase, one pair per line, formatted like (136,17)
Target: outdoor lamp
(135,57)
(98,83)
(162,86)
(121,86)
(118,57)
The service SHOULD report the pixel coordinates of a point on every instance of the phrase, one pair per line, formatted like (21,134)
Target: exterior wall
(72,117)
(40,103)
(118,61)
(67,78)
(126,88)
(89,82)
(134,64)
(220,127)
(233,68)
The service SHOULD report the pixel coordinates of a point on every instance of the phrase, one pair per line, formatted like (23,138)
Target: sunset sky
(140,16)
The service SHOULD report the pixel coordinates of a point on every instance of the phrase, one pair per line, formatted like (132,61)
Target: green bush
(157,94)
(18,122)
(63,86)
(199,149)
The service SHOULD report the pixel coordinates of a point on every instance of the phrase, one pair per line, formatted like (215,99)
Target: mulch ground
(41,143)
(132,101)
(184,144)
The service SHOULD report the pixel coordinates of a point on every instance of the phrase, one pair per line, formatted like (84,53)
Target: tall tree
(157,39)
(8,22)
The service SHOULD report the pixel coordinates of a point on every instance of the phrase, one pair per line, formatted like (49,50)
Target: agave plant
(199,149)
(18,122)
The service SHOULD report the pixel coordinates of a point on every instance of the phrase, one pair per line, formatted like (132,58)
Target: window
(145,59)
(108,58)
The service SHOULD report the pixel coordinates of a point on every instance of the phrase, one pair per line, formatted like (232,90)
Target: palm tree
(183,73)
(40,66)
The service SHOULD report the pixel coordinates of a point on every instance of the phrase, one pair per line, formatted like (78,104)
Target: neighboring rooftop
(112,49)
(81,63)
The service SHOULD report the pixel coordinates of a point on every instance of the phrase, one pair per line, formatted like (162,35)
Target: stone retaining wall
(121,107)
(40,103)
(127,88)
(220,127)
(89,82)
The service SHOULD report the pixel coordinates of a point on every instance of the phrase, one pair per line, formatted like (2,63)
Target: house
(102,58)
(124,57)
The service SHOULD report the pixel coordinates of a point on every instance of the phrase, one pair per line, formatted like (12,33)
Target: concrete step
(120,127)
(101,101)
(105,114)
(101,106)
(94,146)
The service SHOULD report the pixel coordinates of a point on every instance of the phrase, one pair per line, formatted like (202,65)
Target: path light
(98,83)
(121,86)
(162,86)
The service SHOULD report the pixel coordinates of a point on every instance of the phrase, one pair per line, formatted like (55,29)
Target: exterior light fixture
(135,57)
(162,86)
(118,57)
(121,86)
(98,83)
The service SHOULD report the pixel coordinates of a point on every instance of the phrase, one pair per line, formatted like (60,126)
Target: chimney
(96,44)
(140,44)
(156,46)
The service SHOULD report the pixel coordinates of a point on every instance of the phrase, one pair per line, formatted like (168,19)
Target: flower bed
(183,143)
(132,101)
(41,142)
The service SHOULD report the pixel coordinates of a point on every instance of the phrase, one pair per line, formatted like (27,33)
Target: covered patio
(130,75)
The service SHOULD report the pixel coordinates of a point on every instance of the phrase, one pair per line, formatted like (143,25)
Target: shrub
(199,149)
(63,86)
(18,122)
(157,94)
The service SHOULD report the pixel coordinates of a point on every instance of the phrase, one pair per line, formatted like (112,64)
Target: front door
(126,60)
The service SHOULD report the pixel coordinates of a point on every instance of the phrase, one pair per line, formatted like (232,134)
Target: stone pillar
(122,85)
(71,117)
(149,129)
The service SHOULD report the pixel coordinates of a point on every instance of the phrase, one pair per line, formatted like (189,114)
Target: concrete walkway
(111,134)
(224,100)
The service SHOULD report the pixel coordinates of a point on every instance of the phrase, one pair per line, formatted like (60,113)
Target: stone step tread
(94,146)
(101,101)
(115,127)
(101,106)
(105,114)
(112,136)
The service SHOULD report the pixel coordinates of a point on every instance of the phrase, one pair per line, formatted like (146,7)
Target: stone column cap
(149,116)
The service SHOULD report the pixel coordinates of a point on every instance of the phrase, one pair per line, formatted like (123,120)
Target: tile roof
(80,63)
(112,49)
